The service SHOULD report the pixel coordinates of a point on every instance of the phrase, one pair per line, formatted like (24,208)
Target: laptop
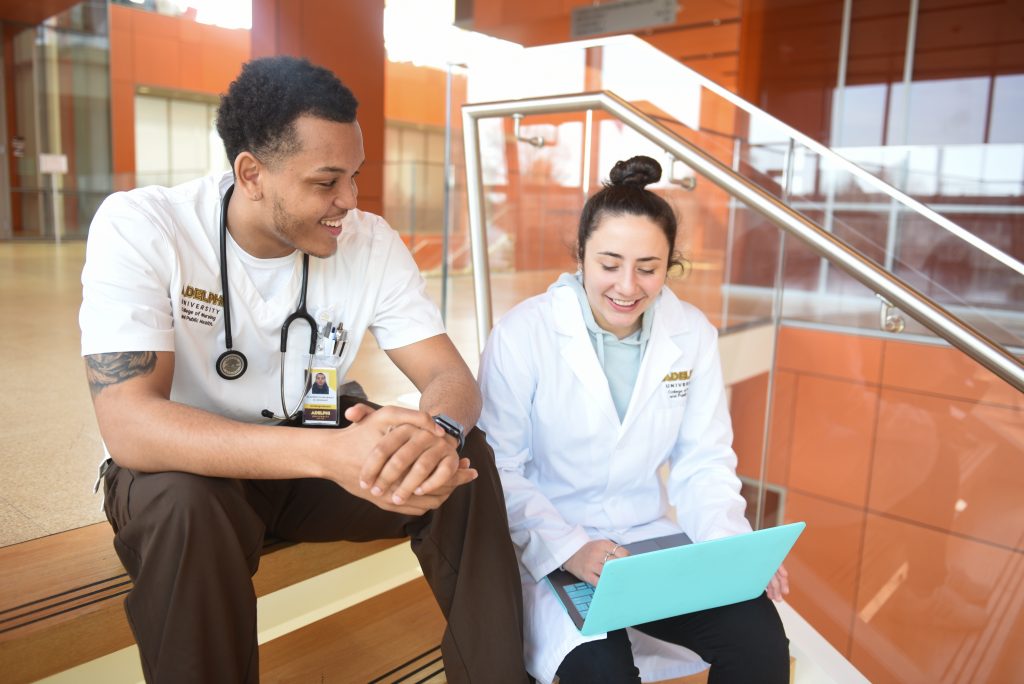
(669,576)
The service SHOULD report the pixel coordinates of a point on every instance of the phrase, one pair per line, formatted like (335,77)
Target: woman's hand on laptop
(779,586)
(587,563)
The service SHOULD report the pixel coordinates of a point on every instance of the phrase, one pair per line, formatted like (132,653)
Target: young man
(185,293)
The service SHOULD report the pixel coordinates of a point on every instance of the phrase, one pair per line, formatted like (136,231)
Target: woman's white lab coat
(573,472)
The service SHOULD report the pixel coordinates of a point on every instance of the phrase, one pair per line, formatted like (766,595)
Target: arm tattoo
(103,370)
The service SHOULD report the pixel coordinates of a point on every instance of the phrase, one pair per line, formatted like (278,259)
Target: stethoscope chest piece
(231,364)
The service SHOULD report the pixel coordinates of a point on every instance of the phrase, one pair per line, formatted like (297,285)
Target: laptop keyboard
(580,594)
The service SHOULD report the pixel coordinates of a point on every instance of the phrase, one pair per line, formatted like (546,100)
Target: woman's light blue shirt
(620,359)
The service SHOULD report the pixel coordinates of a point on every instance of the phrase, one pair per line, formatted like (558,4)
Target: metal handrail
(949,327)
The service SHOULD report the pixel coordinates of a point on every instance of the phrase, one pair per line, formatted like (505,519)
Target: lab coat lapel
(661,354)
(577,351)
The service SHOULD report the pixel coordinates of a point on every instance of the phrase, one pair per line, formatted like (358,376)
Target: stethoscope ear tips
(231,364)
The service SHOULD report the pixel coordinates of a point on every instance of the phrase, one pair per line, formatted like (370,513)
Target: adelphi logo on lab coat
(200,306)
(677,384)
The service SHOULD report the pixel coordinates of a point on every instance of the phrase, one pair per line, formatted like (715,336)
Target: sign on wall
(622,17)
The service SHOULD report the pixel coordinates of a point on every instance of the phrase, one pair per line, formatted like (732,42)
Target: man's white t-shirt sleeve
(404,313)
(126,304)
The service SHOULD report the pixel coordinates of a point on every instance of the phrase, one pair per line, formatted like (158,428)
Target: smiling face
(625,263)
(307,193)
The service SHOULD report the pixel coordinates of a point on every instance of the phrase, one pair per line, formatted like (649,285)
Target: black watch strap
(452,427)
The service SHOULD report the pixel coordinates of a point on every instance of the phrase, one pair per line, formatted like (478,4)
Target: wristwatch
(452,427)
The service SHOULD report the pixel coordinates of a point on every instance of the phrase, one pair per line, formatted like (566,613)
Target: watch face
(448,423)
(451,426)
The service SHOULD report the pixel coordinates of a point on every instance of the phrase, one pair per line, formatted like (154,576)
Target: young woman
(588,389)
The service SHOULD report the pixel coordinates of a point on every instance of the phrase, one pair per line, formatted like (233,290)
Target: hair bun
(637,172)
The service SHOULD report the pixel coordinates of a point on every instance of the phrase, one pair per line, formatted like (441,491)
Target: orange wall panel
(149,49)
(834,354)
(415,94)
(923,607)
(747,408)
(122,125)
(683,42)
(221,54)
(945,371)
(953,465)
(911,449)
(823,565)
(833,435)
(155,60)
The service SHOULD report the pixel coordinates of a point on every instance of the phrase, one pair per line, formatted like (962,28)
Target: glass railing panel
(414,206)
(904,460)
(964,181)
(908,244)
(912,245)
(534,196)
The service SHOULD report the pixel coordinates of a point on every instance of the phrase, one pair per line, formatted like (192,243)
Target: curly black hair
(258,112)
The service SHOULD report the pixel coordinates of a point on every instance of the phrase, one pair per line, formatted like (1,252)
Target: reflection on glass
(860,118)
(176,139)
(61,105)
(904,460)
(1007,125)
(939,112)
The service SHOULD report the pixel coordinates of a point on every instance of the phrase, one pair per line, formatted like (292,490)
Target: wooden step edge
(370,569)
(61,640)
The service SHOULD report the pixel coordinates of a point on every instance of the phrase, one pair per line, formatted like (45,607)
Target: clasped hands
(411,465)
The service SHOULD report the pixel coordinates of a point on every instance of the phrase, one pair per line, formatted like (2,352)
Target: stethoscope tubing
(300,312)
(224,264)
(233,356)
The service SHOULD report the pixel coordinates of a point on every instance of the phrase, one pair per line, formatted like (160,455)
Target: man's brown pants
(191,545)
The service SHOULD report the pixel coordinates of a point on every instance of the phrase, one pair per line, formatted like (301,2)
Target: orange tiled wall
(907,463)
(149,49)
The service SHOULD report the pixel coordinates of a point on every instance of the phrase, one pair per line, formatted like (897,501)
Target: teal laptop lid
(665,582)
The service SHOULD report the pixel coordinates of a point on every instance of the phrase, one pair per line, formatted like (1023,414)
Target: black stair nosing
(74,593)
(394,671)
(71,609)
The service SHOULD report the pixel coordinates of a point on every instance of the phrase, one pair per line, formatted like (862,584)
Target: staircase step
(393,637)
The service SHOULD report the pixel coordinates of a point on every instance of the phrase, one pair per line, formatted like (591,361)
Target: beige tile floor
(51,443)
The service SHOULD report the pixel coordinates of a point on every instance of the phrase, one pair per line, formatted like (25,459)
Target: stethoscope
(232,364)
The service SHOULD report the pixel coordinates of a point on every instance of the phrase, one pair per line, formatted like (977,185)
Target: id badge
(320,407)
